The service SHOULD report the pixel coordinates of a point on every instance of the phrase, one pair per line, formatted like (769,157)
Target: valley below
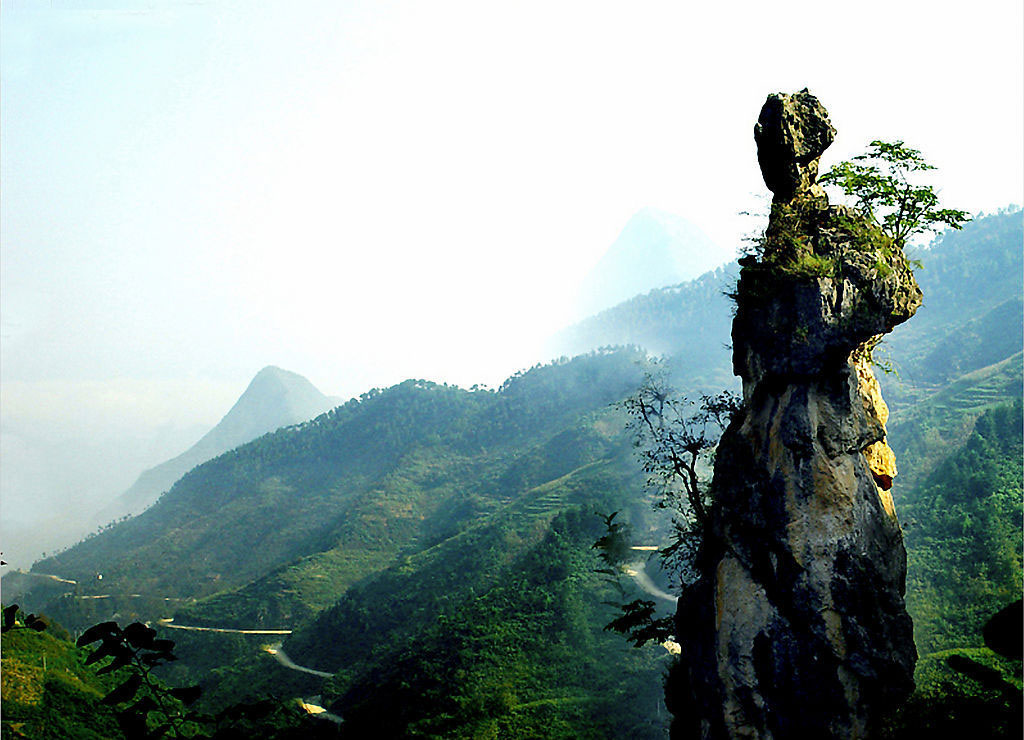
(422,557)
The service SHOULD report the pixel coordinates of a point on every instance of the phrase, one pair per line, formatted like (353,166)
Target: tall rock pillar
(797,627)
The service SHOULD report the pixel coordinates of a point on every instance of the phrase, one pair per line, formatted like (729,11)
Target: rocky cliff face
(797,626)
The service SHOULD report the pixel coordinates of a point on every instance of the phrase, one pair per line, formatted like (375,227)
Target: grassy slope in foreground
(49,692)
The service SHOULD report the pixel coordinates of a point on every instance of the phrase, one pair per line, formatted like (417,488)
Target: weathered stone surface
(797,625)
(791,134)
(879,456)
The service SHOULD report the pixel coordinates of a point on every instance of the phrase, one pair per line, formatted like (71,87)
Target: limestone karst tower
(797,626)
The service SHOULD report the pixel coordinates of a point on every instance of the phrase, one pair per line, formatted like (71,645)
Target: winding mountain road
(311,706)
(167,623)
(281,657)
(637,573)
(47,575)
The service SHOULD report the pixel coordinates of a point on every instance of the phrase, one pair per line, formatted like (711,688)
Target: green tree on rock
(881,181)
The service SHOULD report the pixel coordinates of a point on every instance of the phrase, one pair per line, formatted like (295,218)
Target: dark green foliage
(10,617)
(963,527)
(640,624)
(613,546)
(988,678)
(955,714)
(971,692)
(639,620)
(1003,634)
(522,657)
(148,708)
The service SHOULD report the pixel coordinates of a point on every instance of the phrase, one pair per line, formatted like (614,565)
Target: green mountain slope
(963,525)
(924,433)
(414,591)
(477,489)
(274,398)
(515,597)
(396,469)
(521,656)
(429,546)
(689,323)
(965,274)
(401,509)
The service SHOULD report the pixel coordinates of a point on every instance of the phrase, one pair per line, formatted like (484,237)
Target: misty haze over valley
(460,370)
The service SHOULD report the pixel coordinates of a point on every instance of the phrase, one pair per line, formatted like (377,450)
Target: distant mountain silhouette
(275,398)
(654,249)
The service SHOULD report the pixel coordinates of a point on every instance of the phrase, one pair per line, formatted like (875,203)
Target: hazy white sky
(367,191)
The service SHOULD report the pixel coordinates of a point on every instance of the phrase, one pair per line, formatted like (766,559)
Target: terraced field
(930,430)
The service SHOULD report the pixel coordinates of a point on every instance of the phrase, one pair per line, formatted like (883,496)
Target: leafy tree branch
(675,438)
(883,184)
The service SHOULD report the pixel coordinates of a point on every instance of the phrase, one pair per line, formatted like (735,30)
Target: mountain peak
(655,248)
(272,370)
(277,375)
(273,399)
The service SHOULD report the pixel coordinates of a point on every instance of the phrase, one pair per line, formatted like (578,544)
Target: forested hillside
(520,655)
(446,493)
(688,323)
(274,398)
(962,526)
(428,547)
(963,531)
(396,468)
(953,380)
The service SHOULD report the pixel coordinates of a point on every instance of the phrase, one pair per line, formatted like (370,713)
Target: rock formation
(796,627)
(791,133)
